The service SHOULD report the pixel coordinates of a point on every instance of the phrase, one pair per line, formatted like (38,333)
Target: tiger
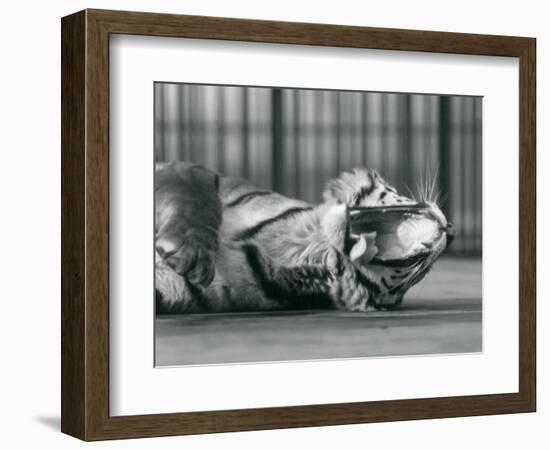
(225,245)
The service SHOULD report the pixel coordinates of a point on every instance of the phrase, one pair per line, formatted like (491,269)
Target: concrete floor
(440,315)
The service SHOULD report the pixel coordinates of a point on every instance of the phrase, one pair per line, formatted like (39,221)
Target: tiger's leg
(350,289)
(343,283)
(292,282)
(188,217)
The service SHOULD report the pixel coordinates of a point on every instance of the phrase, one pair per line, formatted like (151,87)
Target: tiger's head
(394,247)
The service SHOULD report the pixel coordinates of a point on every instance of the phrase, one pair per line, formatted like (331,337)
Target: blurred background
(294,140)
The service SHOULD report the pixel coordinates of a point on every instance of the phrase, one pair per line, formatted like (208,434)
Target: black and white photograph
(296,224)
(258,226)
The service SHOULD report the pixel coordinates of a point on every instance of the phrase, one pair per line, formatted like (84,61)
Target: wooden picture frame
(85,224)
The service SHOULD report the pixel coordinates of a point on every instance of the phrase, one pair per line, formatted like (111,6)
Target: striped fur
(222,244)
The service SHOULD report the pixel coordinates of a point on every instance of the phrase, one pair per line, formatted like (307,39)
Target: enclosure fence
(294,140)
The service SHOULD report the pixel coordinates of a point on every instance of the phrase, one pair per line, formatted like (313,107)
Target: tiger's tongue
(402,239)
(393,246)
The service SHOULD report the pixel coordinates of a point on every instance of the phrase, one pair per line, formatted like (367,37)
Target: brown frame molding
(85,224)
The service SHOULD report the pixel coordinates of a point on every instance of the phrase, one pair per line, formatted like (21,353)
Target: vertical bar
(192,131)
(297,148)
(479,174)
(187,119)
(200,124)
(463,130)
(374,125)
(364,130)
(405,175)
(245,131)
(393,125)
(318,134)
(472,181)
(159,122)
(277,139)
(259,141)
(329,139)
(425,149)
(338,109)
(444,153)
(384,123)
(221,128)
(289,141)
(208,127)
(232,139)
(169,122)
(179,124)
(308,156)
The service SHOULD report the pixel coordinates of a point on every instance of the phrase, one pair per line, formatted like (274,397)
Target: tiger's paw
(192,260)
(171,290)
(348,295)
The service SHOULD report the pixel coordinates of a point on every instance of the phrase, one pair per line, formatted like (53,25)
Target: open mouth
(402,234)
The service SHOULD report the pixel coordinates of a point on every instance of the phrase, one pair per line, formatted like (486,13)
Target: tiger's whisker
(413,197)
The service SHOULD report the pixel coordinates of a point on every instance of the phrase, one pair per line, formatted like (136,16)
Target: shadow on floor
(52,422)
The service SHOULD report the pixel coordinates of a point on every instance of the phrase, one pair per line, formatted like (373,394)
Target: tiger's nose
(450,230)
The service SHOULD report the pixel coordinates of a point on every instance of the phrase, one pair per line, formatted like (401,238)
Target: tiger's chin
(410,270)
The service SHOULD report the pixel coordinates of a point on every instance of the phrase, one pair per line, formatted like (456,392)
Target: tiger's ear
(349,187)
(376,176)
(334,191)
